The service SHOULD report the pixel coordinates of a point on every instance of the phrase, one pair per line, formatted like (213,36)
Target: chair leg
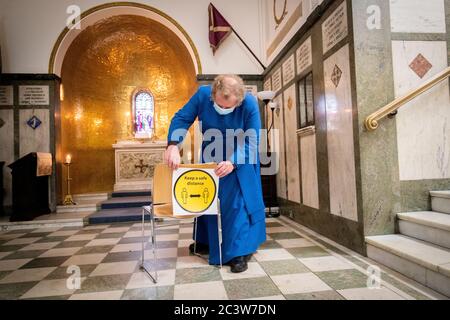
(143,239)
(219,234)
(153,237)
(195,236)
(155,257)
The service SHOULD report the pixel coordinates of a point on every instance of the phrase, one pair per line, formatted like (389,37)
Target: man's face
(224,103)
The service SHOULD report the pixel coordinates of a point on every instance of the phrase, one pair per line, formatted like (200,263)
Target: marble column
(380,187)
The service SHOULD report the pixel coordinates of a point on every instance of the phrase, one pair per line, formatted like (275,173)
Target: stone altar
(134,163)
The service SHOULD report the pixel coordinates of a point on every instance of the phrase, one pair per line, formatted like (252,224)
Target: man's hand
(224,168)
(172,157)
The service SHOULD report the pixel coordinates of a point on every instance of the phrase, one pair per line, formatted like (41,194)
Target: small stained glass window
(144,114)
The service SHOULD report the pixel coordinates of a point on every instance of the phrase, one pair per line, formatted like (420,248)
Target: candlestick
(68,200)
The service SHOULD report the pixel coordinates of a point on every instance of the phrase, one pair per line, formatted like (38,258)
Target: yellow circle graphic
(195,191)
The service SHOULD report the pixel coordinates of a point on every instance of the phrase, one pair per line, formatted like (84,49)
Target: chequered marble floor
(290,265)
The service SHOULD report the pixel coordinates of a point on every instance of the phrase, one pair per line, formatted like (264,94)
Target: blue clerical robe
(240,192)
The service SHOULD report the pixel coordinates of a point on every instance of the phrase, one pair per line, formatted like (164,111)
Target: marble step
(440,201)
(430,226)
(117,216)
(131,193)
(126,202)
(80,207)
(87,198)
(421,261)
(42,224)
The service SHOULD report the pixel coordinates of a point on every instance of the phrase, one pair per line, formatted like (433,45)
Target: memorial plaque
(288,70)
(268,84)
(304,56)
(335,28)
(34,95)
(6,96)
(276,80)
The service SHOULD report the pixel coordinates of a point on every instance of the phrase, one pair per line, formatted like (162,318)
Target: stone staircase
(422,249)
(123,206)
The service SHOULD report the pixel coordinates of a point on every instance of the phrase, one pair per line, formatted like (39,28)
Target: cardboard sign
(194,191)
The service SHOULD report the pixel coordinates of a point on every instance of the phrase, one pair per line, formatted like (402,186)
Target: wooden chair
(161,208)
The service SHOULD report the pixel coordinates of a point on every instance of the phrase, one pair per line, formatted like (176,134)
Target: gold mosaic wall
(101,69)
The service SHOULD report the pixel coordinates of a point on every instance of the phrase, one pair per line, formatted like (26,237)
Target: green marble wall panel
(380,184)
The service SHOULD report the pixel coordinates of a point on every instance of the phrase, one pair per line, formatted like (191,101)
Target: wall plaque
(6,96)
(288,70)
(268,84)
(276,80)
(335,28)
(34,95)
(304,56)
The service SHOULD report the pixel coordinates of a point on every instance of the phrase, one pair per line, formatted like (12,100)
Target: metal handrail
(371,122)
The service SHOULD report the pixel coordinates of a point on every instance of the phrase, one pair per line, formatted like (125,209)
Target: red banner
(219,28)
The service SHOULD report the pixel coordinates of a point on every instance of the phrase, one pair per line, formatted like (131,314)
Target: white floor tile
(63,233)
(81,237)
(299,283)
(99,227)
(27,275)
(162,253)
(60,252)
(4,254)
(188,230)
(327,263)
(167,237)
(49,288)
(191,262)
(278,229)
(106,295)
(40,246)
(369,294)
(295,243)
(21,241)
(273,254)
(214,290)
(84,259)
(136,234)
(14,264)
(141,279)
(280,297)
(11,236)
(103,242)
(116,230)
(104,269)
(127,247)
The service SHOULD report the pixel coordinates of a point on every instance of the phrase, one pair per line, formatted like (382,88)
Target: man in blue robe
(233,117)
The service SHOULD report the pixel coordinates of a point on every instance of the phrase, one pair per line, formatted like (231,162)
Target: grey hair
(229,85)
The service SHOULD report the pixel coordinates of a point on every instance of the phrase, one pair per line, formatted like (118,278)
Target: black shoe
(238,264)
(248,257)
(200,248)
